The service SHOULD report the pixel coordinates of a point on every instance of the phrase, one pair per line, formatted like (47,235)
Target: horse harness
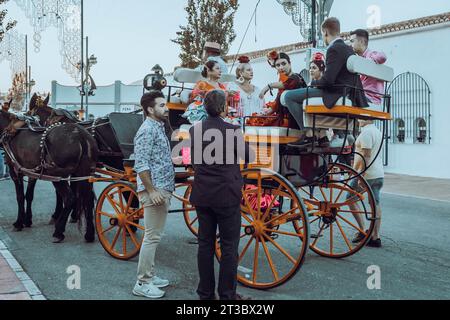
(38,172)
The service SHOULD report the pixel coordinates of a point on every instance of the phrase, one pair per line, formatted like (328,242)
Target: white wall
(426,53)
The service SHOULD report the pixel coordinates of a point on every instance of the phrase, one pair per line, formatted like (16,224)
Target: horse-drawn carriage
(294,199)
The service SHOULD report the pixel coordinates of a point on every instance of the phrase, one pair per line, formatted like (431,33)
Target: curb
(29,285)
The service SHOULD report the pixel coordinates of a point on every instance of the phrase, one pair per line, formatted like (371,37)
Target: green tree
(4,26)
(207,20)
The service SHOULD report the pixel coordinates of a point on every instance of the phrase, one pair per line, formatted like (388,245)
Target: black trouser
(229,222)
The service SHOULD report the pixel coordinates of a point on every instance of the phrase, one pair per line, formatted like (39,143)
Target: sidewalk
(15,284)
(417,187)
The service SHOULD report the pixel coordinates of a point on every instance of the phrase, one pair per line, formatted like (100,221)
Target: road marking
(416,197)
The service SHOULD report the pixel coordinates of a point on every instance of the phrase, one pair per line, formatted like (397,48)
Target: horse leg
(29,196)
(18,183)
(59,207)
(86,199)
(74,216)
(68,199)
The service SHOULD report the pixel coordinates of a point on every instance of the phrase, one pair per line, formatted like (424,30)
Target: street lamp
(88,88)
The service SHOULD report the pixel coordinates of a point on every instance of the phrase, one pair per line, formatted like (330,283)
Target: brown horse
(61,152)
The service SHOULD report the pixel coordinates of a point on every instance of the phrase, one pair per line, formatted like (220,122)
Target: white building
(417,49)
(422,48)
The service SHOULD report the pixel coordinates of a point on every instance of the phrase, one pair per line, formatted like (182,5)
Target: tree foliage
(207,20)
(5,25)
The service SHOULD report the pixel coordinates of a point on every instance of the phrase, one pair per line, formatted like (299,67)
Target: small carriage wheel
(274,237)
(334,205)
(117,218)
(189,213)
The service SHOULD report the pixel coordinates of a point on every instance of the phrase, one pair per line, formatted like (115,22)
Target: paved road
(414,262)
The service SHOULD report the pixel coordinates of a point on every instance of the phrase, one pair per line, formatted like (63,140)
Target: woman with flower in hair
(317,66)
(246,95)
(288,80)
(212,73)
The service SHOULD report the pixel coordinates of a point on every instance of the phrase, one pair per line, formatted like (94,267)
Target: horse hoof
(28,225)
(58,238)
(89,239)
(17,227)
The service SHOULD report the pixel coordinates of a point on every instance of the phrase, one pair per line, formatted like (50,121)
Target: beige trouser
(155,220)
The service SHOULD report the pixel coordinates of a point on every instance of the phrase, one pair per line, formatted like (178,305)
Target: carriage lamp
(156,80)
(92,60)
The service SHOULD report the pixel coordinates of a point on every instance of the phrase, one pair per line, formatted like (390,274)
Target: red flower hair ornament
(272,56)
(244,59)
(318,56)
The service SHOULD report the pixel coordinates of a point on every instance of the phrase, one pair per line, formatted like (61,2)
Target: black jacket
(336,73)
(218,184)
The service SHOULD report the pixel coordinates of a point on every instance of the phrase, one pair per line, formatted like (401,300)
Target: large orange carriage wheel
(334,206)
(274,231)
(189,212)
(119,221)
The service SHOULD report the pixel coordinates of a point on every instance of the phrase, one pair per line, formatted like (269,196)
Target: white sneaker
(147,290)
(160,283)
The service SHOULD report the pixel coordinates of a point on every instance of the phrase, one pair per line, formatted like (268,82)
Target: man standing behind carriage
(217,195)
(156,182)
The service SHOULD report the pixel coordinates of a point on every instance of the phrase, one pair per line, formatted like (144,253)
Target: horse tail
(85,189)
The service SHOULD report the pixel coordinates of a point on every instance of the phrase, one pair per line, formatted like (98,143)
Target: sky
(130,37)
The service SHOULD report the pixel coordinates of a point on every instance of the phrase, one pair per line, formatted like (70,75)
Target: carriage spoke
(131,223)
(246,218)
(121,201)
(280,248)
(113,204)
(116,237)
(124,241)
(193,221)
(133,238)
(331,238)
(108,229)
(279,217)
(269,259)
(291,234)
(130,200)
(108,215)
(274,198)
(343,234)
(246,248)
(339,196)
(259,190)
(351,224)
(310,194)
(318,236)
(323,194)
(249,207)
(351,211)
(255,259)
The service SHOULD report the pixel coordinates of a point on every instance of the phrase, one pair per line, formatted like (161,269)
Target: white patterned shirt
(152,152)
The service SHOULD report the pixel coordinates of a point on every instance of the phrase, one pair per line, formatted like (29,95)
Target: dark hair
(283,55)
(215,103)
(319,63)
(332,25)
(361,33)
(209,65)
(148,100)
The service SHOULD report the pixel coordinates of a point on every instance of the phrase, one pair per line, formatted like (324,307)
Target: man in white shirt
(367,145)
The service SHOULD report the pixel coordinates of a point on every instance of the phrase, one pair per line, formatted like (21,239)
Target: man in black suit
(336,75)
(217,148)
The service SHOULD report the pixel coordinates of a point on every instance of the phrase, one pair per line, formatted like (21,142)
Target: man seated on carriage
(331,86)
(374,88)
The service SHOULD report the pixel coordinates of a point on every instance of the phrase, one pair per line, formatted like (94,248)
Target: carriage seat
(326,118)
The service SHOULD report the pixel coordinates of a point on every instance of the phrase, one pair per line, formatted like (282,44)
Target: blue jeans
(293,101)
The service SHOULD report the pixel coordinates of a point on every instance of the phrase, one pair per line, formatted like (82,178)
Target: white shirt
(249,102)
(371,138)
